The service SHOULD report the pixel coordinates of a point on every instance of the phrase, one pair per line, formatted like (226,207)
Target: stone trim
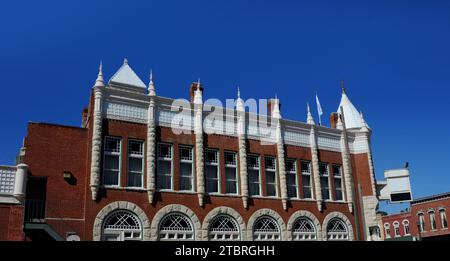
(306,214)
(96,143)
(108,209)
(151,144)
(343,218)
(315,168)
(265,212)
(154,228)
(226,211)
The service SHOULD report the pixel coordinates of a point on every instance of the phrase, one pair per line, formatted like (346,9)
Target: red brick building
(399,226)
(138,169)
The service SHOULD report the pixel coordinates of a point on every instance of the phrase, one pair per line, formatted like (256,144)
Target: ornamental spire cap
(99,81)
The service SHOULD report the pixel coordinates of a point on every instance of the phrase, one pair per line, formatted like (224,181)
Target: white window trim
(235,166)
(192,166)
(295,173)
(442,216)
(275,174)
(421,222)
(136,156)
(304,173)
(387,230)
(433,225)
(396,226)
(259,174)
(217,164)
(171,165)
(330,198)
(119,175)
(405,224)
(342,183)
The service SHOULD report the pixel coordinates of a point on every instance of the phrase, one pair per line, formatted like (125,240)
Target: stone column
(199,151)
(281,165)
(315,168)
(242,150)
(96,142)
(151,144)
(20,181)
(346,162)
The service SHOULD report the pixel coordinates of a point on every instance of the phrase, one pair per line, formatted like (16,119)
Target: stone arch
(116,205)
(226,211)
(265,212)
(306,214)
(341,216)
(170,209)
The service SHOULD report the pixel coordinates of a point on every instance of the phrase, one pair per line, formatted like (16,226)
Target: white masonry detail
(280,151)
(199,151)
(242,150)
(346,161)
(315,168)
(151,133)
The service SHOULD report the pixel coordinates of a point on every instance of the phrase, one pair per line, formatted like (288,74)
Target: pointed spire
(151,85)
(238,93)
(342,86)
(198,94)
(198,83)
(309,117)
(99,81)
(339,124)
(239,101)
(125,61)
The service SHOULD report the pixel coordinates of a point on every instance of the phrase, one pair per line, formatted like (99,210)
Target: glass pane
(135,164)
(185,183)
(111,162)
(211,185)
(186,169)
(230,158)
(134,179)
(290,180)
(336,170)
(211,172)
(325,194)
(271,190)
(306,180)
(165,151)
(323,168)
(270,177)
(307,192)
(339,194)
(231,187)
(254,189)
(292,191)
(164,167)
(111,177)
(306,167)
(253,176)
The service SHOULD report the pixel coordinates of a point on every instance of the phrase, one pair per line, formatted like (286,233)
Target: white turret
(99,81)
(151,85)
(352,116)
(309,117)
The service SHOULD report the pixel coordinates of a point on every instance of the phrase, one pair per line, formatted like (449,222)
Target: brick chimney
(84,116)
(270,105)
(192,89)
(334,119)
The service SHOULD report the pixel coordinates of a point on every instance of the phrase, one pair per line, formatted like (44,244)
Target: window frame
(396,226)
(159,158)
(387,230)
(443,217)
(217,165)
(309,174)
(340,177)
(142,157)
(185,161)
(406,228)
(295,173)
(259,174)
(421,222)
(432,217)
(119,155)
(231,166)
(325,175)
(274,171)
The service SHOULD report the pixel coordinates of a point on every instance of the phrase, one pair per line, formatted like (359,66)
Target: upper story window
(443,218)
(135,177)
(337,175)
(306,179)
(231,186)
(387,230)
(396,229)
(406,226)
(111,161)
(432,219)
(291,178)
(324,180)
(212,170)
(421,222)
(254,182)
(164,167)
(271,177)
(186,168)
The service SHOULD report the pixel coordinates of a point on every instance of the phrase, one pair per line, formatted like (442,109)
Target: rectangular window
(291,178)
(337,175)
(212,170)
(164,166)
(111,161)
(271,176)
(306,179)
(324,180)
(135,177)
(443,218)
(432,220)
(231,184)
(254,182)
(421,222)
(186,168)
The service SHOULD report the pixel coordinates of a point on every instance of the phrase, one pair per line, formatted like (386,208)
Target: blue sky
(393,55)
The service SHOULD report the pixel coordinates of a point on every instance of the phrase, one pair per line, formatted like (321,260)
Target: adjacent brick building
(129,174)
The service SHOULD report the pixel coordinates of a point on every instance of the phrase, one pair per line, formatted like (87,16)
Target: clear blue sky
(393,55)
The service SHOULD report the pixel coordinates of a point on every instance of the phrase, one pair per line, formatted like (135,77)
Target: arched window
(396,229)
(121,225)
(303,229)
(406,226)
(223,227)
(266,228)
(337,230)
(176,226)
(387,230)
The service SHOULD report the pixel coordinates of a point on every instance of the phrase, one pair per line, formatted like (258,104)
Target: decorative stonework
(370,204)
(98,223)
(343,218)
(151,151)
(225,211)
(265,212)
(306,214)
(281,166)
(96,143)
(242,157)
(171,209)
(315,168)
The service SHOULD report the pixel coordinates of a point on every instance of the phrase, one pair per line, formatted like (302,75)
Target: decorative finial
(238,92)
(276,96)
(125,61)
(99,81)
(151,85)
(151,75)
(342,86)
(307,106)
(309,117)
